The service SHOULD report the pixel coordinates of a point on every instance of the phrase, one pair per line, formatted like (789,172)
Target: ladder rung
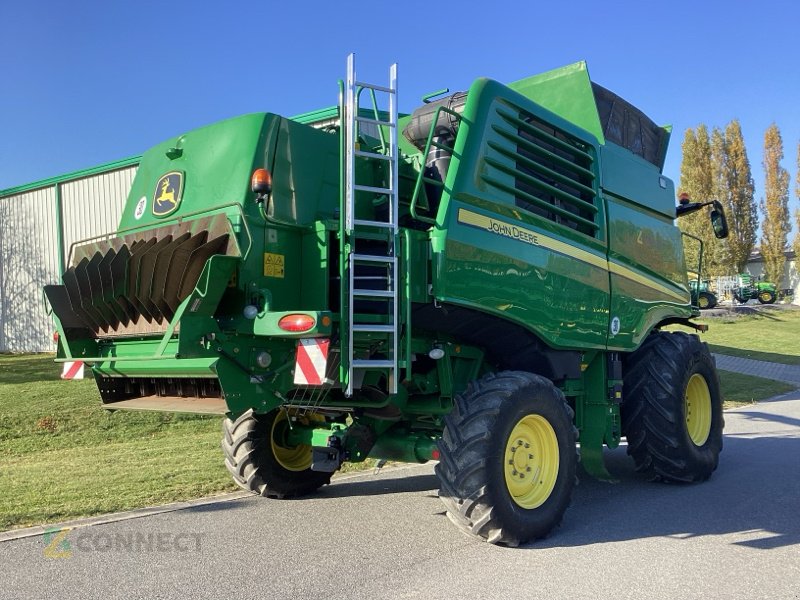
(377,88)
(374,190)
(373,364)
(374,258)
(373,223)
(374,328)
(376,293)
(377,122)
(378,155)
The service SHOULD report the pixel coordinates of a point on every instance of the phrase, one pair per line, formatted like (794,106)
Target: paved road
(384,536)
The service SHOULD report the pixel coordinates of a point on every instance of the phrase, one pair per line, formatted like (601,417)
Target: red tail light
(297,322)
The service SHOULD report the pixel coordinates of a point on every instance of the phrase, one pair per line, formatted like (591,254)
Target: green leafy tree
(734,186)
(774,205)
(697,180)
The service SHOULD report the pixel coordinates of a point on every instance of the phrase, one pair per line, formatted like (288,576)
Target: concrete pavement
(759,368)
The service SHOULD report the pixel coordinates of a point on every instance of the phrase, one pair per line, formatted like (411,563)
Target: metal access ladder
(359,281)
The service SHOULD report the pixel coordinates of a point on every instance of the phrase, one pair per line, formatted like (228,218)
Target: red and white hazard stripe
(311,361)
(72,370)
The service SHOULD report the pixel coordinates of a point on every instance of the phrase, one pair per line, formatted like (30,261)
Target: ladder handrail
(421,177)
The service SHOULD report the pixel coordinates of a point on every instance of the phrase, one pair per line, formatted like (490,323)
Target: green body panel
(567,92)
(542,225)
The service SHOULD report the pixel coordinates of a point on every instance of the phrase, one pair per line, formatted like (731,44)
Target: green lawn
(740,390)
(62,456)
(772,335)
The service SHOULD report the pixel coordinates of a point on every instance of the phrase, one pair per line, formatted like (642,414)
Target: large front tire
(672,413)
(508,458)
(261,463)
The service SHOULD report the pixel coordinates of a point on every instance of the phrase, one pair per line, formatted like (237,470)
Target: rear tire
(672,411)
(508,458)
(260,464)
(766,297)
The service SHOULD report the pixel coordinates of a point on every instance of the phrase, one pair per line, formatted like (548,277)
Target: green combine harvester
(481,283)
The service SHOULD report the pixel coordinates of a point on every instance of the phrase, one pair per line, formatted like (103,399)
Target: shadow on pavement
(380,485)
(755,492)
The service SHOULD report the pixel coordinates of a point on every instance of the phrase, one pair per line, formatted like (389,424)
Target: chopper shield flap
(168,193)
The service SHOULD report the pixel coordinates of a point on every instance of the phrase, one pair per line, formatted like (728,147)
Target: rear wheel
(261,462)
(706,300)
(766,297)
(508,458)
(672,413)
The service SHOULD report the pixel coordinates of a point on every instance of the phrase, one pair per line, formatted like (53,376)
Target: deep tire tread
(468,474)
(249,460)
(653,418)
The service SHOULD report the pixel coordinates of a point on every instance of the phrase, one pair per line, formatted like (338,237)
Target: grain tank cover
(626,125)
(570,93)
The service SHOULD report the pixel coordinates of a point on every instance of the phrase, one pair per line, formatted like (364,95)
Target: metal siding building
(38,223)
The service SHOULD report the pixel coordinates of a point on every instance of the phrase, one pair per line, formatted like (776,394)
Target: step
(376,155)
(370,328)
(374,121)
(370,86)
(374,190)
(373,258)
(376,293)
(373,364)
(366,223)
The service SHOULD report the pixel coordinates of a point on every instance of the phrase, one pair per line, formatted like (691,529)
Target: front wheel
(508,458)
(261,462)
(672,413)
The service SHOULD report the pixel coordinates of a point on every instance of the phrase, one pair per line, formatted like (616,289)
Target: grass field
(772,335)
(62,456)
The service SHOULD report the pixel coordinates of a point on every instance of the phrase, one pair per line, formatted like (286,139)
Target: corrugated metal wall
(28,260)
(29,247)
(93,205)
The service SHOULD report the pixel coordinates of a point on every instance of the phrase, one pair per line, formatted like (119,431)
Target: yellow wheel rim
(697,407)
(531,461)
(702,302)
(291,458)
(766,296)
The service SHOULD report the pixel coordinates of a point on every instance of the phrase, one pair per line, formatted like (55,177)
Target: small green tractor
(747,289)
(702,296)
(482,283)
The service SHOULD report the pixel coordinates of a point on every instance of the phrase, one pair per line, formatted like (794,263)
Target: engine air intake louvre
(553,171)
(134,284)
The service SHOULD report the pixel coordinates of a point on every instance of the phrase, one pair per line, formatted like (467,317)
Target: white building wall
(28,261)
(91,205)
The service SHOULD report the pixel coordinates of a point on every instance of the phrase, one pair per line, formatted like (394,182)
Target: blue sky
(91,82)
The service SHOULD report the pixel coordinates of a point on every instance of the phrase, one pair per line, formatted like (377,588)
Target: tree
(796,243)
(774,205)
(734,185)
(697,180)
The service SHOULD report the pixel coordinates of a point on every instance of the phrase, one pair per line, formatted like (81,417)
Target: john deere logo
(167,196)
